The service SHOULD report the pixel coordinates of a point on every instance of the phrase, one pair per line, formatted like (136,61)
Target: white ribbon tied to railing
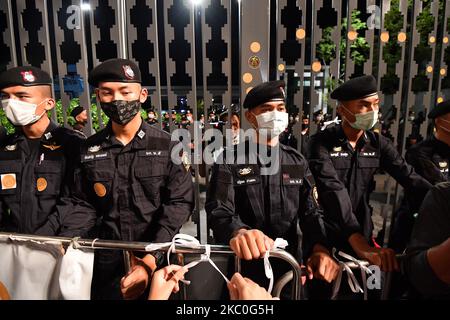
(279,243)
(188,241)
(351,279)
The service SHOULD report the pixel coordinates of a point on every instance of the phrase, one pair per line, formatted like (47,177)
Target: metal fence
(197,54)
(181,250)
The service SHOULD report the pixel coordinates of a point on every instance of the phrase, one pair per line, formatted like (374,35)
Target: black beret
(356,88)
(115,70)
(441,109)
(265,92)
(24,76)
(76,111)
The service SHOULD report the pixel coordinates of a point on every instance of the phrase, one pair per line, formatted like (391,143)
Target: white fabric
(188,241)
(279,243)
(32,270)
(351,279)
(327,123)
(75,276)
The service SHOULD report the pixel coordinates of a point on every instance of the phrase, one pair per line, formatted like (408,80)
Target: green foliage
(5,122)
(359,49)
(425,24)
(393,20)
(326,48)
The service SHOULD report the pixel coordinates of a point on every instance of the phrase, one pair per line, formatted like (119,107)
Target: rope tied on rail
(351,279)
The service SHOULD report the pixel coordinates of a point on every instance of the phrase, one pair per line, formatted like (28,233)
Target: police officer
(430,158)
(427,261)
(81,118)
(264,190)
(344,158)
(36,162)
(126,177)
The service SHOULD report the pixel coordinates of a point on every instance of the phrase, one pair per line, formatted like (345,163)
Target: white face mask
(275,122)
(364,121)
(21,113)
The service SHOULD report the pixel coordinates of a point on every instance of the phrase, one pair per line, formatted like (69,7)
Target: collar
(137,143)
(343,140)
(48,133)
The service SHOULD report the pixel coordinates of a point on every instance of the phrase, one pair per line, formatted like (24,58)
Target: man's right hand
(250,244)
(382,257)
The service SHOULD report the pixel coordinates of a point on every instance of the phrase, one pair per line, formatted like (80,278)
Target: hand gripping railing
(99,244)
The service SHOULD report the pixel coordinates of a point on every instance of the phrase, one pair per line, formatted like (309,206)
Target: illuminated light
(384,36)
(443,72)
(429,69)
(432,39)
(281,67)
(85,6)
(351,35)
(301,34)
(248,90)
(401,37)
(255,47)
(440,100)
(196,2)
(445,40)
(247,77)
(316,66)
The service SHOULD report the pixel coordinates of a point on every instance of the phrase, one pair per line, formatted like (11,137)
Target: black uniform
(280,205)
(431,229)
(137,193)
(430,158)
(344,176)
(34,175)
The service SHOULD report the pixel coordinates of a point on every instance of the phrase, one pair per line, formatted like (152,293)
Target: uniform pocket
(365,162)
(48,178)
(150,180)
(100,182)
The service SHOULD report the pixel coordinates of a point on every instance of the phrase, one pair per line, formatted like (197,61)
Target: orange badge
(100,189)
(8,181)
(41,184)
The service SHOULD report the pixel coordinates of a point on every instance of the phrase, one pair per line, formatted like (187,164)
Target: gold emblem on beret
(337,149)
(41,184)
(100,189)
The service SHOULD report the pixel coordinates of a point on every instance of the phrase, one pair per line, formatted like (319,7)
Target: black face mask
(304,126)
(120,111)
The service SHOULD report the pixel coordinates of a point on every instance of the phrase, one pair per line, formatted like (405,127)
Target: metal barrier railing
(99,244)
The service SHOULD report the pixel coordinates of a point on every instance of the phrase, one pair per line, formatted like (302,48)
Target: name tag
(293,182)
(247,181)
(152,153)
(339,154)
(369,154)
(96,156)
